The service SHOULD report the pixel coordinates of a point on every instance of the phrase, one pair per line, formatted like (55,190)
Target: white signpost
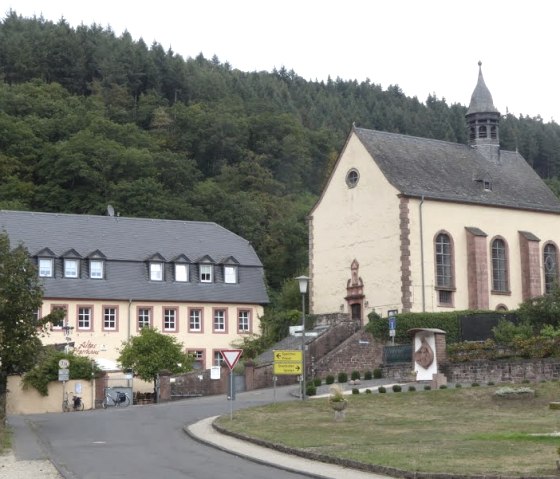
(231,357)
(63,375)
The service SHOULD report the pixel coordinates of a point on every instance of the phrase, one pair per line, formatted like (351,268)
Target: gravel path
(12,469)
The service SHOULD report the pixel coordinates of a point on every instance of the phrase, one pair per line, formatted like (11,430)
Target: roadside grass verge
(457,431)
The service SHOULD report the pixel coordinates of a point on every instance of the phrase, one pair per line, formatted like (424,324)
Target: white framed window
(195,320)
(144,318)
(84,317)
(244,321)
(218,360)
(181,272)
(205,273)
(219,320)
(198,357)
(110,318)
(96,267)
(71,268)
(156,271)
(230,274)
(46,267)
(169,319)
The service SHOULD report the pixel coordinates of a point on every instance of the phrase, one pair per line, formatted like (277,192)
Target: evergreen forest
(89,118)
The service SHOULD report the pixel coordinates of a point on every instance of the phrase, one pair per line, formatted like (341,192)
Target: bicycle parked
(118,399)
(75,404)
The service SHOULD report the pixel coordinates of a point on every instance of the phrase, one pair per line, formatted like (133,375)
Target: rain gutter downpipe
(422,255)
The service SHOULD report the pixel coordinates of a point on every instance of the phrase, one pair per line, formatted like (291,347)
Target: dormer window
(96,268)
(156,271)
(230,274)
(71,268)
(206,273)
(487,185)
(46,267)
(181,272)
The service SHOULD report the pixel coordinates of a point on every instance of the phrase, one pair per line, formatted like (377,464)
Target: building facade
(412,224)
(114,275)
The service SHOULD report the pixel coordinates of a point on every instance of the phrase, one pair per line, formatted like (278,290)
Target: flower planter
(339,405)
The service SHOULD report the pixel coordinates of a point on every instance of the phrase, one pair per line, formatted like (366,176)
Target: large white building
(416,224)
(115,275)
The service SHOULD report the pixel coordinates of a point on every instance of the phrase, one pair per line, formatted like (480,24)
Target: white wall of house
(100,342)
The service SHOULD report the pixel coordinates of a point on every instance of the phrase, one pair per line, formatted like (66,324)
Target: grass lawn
(458,431)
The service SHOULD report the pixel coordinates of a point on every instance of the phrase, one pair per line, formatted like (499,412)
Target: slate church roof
(455,172)
(127,245)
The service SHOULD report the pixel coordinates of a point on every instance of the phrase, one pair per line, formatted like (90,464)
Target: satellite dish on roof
(110,210)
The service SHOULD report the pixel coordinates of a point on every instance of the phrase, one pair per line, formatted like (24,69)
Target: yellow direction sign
(287,368)
(289,355)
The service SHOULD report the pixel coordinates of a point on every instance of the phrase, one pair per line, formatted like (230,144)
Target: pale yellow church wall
(453,218)
(101,344)
(355,223)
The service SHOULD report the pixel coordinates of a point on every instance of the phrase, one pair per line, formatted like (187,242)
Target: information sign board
(287,368)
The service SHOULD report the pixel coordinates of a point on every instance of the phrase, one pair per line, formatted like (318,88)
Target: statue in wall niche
(424,355)
(355,279)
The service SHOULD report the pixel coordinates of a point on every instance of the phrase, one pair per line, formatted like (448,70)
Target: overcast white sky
(424,46)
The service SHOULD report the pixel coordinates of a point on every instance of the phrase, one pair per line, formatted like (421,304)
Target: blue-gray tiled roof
(455,172)
(127,244)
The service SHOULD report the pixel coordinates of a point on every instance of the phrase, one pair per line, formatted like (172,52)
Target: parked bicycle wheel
(65,406)
(79,407)
(126,402)
(107,402)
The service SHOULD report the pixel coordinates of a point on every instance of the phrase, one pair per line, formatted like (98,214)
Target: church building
(412,224)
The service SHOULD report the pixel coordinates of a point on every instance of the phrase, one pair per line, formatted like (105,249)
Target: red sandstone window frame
(79,319)
(550,278)
(445,259)
(500,266)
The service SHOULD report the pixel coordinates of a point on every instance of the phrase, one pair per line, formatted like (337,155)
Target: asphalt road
(140,441)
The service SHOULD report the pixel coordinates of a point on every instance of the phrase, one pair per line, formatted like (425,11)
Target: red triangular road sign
(231,356)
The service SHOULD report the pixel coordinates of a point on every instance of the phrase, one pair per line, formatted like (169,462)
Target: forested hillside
(89,119)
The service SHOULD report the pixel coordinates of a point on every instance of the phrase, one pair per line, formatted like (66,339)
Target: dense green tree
(21,295)
(152,352)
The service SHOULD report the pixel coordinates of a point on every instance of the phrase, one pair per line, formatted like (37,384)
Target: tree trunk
(3,396)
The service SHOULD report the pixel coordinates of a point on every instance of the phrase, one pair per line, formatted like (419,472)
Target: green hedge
(446,321)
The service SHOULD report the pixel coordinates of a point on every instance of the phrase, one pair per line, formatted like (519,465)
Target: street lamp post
(303,283)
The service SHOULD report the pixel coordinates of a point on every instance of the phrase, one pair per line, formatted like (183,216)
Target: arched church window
(550,262)
(482,132)
(493,132)
(500,281)
(445,282)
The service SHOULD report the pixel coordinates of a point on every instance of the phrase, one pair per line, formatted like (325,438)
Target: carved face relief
(424,355)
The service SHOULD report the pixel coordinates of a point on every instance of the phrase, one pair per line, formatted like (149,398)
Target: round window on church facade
(352,178)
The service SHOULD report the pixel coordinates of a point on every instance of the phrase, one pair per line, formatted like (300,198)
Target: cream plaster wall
(355,223)
(362,223)
(100,344)
(29,401)
(453,218)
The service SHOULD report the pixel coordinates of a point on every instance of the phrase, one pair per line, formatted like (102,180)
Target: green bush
(311,390)
(411,388)
(355,391)
(506,331)
(443,386)
(317,382)
(397,388)
(475,385)
(368,375)
(377,373)
(355,375)
(490,383)
(368,391)
(381,389)
(458,385)
(329,379)
(342,377)
(427,387)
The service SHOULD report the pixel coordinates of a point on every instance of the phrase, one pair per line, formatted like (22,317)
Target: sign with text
(290,355)
(63,374)
(287,368)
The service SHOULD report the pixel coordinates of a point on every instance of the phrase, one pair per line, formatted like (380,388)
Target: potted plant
(336,398)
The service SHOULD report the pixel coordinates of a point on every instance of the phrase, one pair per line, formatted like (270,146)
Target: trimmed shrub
(458,385)
(377,373)
(427,387)
(342,377)
(381,389)
(490,383)
(368,375)
(311,390)
(355,375)
(411,388)
(443,386)
(474,385)
(368,391)
(355,391)
(397,388)
(329,379)
(317,382)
